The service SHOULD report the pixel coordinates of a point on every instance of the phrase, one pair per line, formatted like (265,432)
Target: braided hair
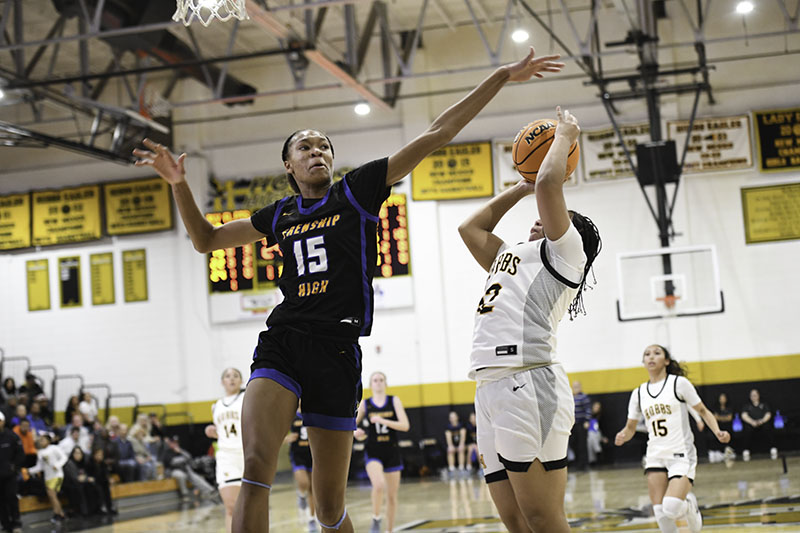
(592,244)
(285,156)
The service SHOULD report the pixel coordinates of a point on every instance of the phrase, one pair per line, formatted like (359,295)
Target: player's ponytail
(592,244)
(673,367)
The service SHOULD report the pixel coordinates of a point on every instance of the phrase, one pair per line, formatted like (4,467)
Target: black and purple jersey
(329,248)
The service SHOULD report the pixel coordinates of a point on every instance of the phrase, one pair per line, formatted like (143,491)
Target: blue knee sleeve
(337,525)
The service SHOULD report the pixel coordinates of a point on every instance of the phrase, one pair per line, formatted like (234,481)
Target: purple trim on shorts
(336,423)
(278,377)
(277,214)
(309,210)
(393,469)
(295,468)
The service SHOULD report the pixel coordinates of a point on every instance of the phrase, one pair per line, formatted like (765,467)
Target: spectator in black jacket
(77,487)
(11,459)
(98,473)
(31,387)
(9,389)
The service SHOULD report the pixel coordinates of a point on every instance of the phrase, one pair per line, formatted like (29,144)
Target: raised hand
(567,125)
(162,161)
(530,66)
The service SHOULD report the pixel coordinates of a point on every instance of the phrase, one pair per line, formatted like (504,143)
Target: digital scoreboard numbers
(269,264)
(393,251)
(231,269)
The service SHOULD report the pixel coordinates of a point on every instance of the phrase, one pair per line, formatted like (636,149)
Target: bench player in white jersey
(523,401)
(671,457)
(227,429)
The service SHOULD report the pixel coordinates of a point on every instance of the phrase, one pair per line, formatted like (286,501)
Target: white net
(207,10)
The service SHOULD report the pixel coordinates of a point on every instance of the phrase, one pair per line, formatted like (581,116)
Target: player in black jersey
(382,416)
(327,234)
(300,457)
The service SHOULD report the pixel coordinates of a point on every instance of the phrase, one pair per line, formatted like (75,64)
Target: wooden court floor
(743,497)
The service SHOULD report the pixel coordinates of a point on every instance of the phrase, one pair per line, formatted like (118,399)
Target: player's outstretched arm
(476,230)
(711,422)
(204,236)
(454,118)
(550,178)
(626,433)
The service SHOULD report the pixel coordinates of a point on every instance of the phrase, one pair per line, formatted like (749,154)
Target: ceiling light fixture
(519,36)
(362,109)
(2,94)
(744,7)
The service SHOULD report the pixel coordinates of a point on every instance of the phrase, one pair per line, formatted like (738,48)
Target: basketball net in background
(152,104)
(207,10)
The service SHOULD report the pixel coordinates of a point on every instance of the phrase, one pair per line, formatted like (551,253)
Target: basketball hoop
(669,301)
(152,104)
(207,10)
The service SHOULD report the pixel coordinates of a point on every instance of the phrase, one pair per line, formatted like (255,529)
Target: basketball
(531,145)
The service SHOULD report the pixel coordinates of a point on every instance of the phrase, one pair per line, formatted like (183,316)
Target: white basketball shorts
(523,417)
(674,467)
(230,467)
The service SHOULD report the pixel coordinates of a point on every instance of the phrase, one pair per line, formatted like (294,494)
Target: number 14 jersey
(528,291)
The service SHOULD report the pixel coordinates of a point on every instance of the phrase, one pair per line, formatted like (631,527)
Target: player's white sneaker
(693,516)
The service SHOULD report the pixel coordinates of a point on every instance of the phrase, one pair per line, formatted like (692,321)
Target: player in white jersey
(523,401)
(671,457)
(227,429)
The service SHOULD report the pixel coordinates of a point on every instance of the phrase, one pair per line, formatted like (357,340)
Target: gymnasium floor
(745,497)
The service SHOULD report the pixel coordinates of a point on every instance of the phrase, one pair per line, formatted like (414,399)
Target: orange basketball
(531,145)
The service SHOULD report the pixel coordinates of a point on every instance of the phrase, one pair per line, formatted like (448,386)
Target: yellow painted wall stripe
(751,369)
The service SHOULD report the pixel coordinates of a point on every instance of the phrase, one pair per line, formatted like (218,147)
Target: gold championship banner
(603,156)
(771,213)
(717,143)
(102,276)
(139,206)
(15,221)
(38,278)
(66,215)
(778,136)
(455,172)
(134,275)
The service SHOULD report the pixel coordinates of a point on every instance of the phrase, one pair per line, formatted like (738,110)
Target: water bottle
(778,420)
(737,423)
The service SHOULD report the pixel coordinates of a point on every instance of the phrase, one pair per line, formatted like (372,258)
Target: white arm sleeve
(566,254)
(687,392)
(634,409)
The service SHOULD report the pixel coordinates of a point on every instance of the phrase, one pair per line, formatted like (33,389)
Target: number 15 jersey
(528,291)
(666,416)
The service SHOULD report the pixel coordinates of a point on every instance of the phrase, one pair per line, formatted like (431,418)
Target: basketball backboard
(668,282)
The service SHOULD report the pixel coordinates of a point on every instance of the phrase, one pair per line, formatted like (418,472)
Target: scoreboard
(257,267)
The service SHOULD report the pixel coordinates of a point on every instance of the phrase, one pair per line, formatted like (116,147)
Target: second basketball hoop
(207,10)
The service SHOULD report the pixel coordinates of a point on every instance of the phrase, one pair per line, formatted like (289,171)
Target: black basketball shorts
(323,372)
(389,456)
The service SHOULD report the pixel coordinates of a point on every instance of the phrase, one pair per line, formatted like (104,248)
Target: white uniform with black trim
(670,442)
(523,402)
(227,413)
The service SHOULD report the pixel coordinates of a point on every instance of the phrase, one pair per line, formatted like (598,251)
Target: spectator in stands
(35,416)
(103,442)
(98,474)
(72,408)
(147,464)
(177,461)
(71,440)
(50,462)
(85,437)
(9,408)
(11,460)
(27,437)
(88,409)
(112,426)
(156,431)
(20,415)
(9,389)
(31,387)
(757,429)
(127,465)
(76,482)
(597,442)
(45,410)
(456,437)
(578,438)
